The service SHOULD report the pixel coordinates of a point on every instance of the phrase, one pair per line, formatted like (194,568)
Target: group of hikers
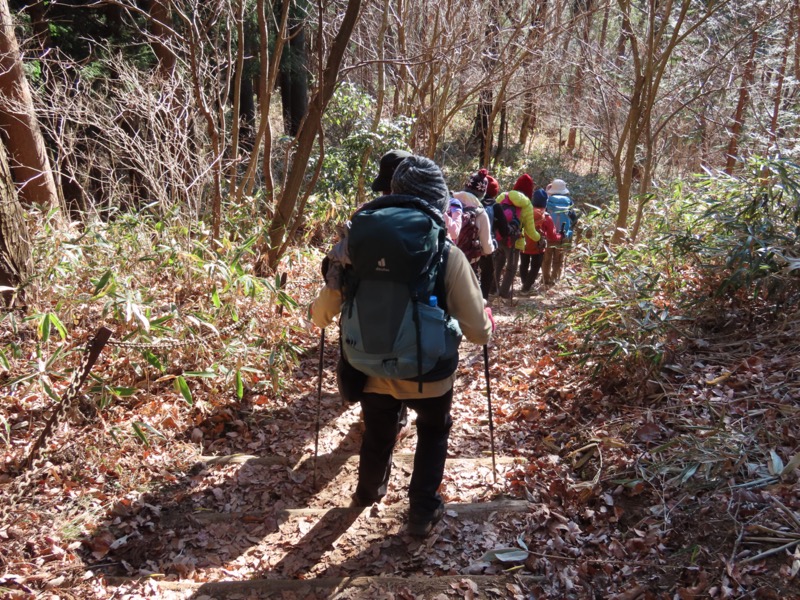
(527,228)
(404,281)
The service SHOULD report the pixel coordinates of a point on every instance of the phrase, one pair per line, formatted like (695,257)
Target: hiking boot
(422,526)
(357,502)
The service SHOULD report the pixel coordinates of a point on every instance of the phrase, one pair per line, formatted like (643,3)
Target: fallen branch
(770,552)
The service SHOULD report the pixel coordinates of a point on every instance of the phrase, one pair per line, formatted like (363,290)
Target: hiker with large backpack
(519,215)
(532,256)
(562,210)
(406,297)
(497,218)
(475,238)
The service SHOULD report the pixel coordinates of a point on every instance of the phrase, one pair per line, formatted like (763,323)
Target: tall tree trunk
(604,27)
(380,96)
(236,104)
(651,54)
(528,121)
(247,105)
(528,117)
(581,67)
(403,79)
(29,163)
(39,23)
(481,130)
(502,134)
(290,204)
(160,25)
(735,128)
(266,84)
(645,178)
(15,254)
(780,76)
(294,73)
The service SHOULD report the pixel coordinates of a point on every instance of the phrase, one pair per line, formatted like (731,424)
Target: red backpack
(469,241)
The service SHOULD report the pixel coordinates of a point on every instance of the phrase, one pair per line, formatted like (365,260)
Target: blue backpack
(560,209)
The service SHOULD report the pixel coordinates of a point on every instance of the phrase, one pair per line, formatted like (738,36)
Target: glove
(542,243)
(488,310)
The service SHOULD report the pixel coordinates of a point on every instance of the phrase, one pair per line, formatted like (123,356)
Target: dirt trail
(243,523)
(587,497)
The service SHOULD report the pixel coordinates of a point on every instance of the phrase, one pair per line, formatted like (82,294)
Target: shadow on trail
(224,505)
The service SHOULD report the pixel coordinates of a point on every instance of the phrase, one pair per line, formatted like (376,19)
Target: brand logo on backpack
(382,266)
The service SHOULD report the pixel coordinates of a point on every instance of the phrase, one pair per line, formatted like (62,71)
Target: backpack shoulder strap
(439,286)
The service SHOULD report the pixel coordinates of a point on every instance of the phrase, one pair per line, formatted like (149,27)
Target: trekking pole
(319,405)
(489,399)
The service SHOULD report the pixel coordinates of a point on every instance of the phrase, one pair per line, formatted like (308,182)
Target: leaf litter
(690,490)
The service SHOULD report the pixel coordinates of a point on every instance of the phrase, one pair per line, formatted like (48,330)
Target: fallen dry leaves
(677,492)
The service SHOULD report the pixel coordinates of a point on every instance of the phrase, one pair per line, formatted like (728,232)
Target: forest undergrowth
(659,422)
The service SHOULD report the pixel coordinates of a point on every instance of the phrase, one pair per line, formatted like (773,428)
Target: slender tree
(15,257)
(294,69)
(737,122)
(653,39)
(293,197)
(161,26)
(30,165)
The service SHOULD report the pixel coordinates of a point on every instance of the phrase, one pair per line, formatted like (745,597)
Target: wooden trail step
(460,509)
(295,462)
(336,587)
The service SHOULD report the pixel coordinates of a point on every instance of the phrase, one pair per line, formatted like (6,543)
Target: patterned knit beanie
(477,183)
(525,185)
(421,177)
(492,188)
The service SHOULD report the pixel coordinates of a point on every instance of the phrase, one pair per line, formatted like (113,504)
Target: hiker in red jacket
(533,254)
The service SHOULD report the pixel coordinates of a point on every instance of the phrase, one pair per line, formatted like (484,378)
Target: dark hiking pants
(505,266)
(529,266)
(381,414)
(486,275)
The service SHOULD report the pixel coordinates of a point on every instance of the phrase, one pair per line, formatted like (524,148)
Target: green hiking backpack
(394,321)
